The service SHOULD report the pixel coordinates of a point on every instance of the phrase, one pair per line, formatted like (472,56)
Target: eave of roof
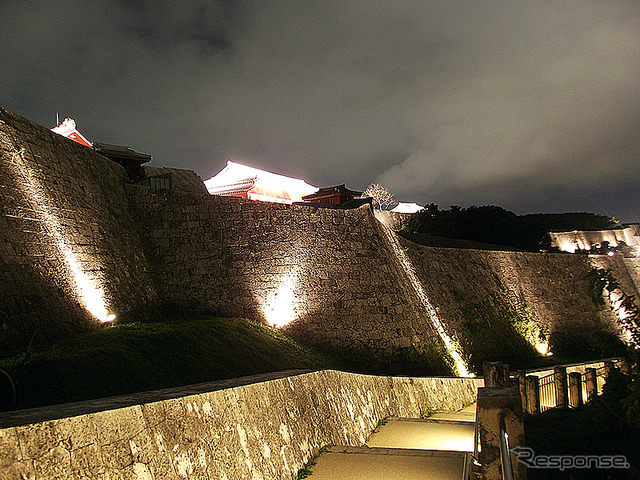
(120,151)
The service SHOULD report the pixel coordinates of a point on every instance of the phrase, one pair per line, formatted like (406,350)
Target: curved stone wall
(67,214)
(267,430)
(69,251)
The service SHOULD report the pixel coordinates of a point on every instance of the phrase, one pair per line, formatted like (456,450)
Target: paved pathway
(435,448)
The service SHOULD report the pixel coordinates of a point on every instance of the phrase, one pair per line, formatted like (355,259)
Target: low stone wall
(265,430)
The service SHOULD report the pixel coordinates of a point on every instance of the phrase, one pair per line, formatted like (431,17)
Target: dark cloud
(208,25)
(534,105)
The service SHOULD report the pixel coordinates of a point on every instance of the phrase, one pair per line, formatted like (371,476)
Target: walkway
(435,448)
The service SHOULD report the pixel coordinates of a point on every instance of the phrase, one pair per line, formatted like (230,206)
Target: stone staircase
(434,448)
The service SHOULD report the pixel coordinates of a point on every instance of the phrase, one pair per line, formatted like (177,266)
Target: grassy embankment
(136,357)
(142,356)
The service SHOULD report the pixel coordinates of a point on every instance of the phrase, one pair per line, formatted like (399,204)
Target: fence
(564,386)
(547,389)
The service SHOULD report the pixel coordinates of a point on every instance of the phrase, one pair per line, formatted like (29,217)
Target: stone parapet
(265,430)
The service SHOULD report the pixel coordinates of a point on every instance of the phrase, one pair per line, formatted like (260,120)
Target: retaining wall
(65,232)
(332,268)
(263,431)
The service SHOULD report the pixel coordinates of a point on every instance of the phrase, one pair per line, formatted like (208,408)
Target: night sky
(530,105)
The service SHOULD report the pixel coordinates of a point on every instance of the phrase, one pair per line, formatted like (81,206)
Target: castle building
(333,195)
(128,158)
(238,180)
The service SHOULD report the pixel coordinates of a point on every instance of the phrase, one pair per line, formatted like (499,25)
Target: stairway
(434,448)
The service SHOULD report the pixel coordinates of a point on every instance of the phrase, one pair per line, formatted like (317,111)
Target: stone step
(424,434)
(362,463)
(467,414)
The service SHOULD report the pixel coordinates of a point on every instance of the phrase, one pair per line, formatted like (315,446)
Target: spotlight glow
(279,309)
(90,295)
(542,347)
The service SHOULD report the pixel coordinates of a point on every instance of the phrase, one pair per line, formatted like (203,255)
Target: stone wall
(67,239)
(626,271)
(263,431)
(586,240)
(393,220)
(332,268)
(335,274)
(551,287)
(491,300)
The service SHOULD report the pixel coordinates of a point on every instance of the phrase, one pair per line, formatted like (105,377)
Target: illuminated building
(68,129)
(128,158)
(407,208)
(237,180)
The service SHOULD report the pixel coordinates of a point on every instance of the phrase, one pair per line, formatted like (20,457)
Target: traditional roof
(407,208)
(68,129)
(236,179)
(120,152)
(327,193)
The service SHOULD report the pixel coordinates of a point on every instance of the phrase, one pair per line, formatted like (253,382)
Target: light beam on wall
(279,308)
(450,345)
(89,293)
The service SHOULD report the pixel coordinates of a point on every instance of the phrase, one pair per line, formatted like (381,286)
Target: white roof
(236,176)
(68,129)
(404,207)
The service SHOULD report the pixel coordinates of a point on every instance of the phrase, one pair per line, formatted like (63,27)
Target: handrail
(472,458)
(538,371)
(13,389)
(505,456)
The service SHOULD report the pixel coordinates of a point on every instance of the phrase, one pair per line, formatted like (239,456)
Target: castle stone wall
(335,273)
(67,238)
(551,287)
(265,431)
(236,257)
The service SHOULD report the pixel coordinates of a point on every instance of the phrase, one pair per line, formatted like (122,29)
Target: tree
(495,225)
(382,198)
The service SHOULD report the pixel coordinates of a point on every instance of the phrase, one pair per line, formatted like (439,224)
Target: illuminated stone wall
(266,430)
(548,289)
(334,273)
(69,252)
(331,268)
(232,257)
(585,240)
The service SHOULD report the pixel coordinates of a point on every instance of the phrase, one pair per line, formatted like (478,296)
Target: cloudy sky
(531,105)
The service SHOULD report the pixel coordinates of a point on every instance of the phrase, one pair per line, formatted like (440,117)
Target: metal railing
(505,455)
(471,465)
(601,379)
(548,399)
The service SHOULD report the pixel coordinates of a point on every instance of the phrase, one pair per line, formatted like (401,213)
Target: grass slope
(136,357)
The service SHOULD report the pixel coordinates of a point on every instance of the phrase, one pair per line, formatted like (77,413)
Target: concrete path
(435,448)
(361,463)
(444,435)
